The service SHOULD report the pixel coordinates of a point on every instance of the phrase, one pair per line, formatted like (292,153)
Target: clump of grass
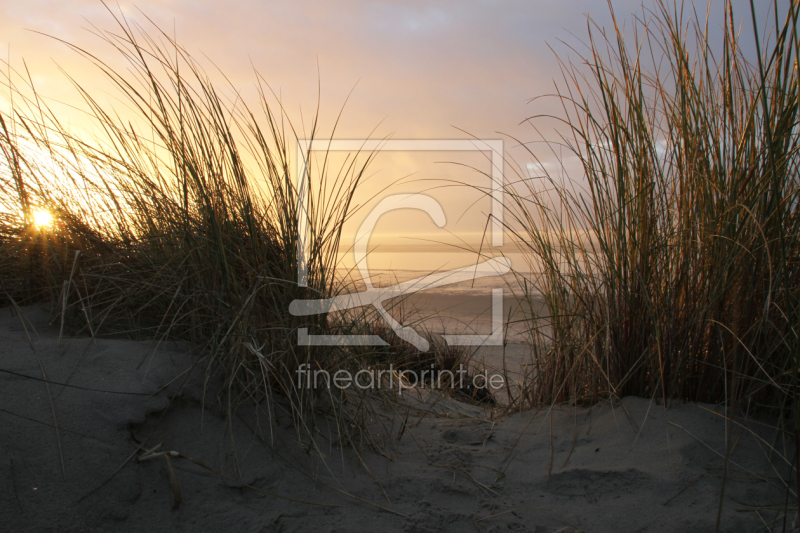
(178,222)
(675,274)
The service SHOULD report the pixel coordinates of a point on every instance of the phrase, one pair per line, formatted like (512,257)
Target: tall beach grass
(175,217)
(176,221)
(672,271)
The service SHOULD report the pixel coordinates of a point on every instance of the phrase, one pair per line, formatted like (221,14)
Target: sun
(42,218)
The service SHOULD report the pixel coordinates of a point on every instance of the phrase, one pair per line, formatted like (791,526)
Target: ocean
(463,308)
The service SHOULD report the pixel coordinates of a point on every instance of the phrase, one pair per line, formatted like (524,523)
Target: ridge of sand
(629,466)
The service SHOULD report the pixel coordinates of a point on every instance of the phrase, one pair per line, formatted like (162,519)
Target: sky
(412,70)
(415,68)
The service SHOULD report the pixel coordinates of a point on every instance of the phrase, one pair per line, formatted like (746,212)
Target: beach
(515,286)
(444,465)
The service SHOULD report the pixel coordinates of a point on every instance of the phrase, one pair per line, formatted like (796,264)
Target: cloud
(416,68)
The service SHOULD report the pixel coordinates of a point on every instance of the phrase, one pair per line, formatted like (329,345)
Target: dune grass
(671,271)
(180,222)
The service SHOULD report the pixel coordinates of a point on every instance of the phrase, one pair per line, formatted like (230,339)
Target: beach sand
(616,467)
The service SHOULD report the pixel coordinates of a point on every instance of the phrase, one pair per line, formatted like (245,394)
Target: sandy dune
(630,466)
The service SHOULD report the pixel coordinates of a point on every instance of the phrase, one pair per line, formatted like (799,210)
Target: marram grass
(178,223)
(672,270)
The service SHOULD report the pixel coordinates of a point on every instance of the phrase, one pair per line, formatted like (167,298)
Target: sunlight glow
(42,218)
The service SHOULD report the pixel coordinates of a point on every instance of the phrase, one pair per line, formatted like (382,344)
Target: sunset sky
(417,70)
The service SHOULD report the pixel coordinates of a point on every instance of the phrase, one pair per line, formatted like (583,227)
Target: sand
(629,465)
